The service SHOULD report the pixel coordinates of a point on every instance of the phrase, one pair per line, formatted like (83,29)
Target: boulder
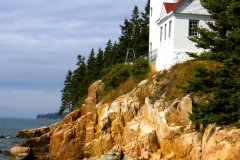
(131,130)
(172,116)
(31,133)
(23,156)
(19,149)
(71,117)
(69,140)
(184,109)
(220,143)
(2,136)
(93,96)
(140,137)
(159,123)
(115,154)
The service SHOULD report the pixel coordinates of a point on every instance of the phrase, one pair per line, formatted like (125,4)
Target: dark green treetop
(108,56)
(135,21)
(79,79)
(91,69)
(144,35)
(99,64)
(66,97)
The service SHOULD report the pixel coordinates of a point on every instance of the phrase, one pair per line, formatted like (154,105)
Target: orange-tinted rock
(107,142)
(97,149)
(93,96)
(219,143)
(18,149)
(183,109)
(91,120)
(103,120)
(71,117)
(117,130)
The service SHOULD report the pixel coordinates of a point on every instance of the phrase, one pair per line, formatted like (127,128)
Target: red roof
(170,6)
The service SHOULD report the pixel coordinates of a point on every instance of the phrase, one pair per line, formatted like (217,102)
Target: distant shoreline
(50,118)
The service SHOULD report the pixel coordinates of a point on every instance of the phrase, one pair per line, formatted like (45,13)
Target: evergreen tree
(116,55)
(79,88)
(222,44)
(99,64)
(125,39)
(66,97)
(91,69)
(144,35)
(135,22)
(108,56)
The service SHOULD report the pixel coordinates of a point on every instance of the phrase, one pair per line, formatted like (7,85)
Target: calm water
(9,127)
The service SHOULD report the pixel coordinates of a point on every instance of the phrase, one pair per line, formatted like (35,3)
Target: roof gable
(171,6)
(163,12)
(191,7)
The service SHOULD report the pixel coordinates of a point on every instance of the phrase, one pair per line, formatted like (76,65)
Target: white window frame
(170,29)
(165,31)
(161,36)
(191,30)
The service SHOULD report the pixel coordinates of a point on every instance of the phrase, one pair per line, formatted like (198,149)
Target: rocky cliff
(126,129)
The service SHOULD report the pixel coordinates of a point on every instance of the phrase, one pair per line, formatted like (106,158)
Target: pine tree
(125,39)
(108,56)
(221,42)
(135,22)
(66,93)
(99,64)
(116,55)
(79,88)
(144,35)
(91,69)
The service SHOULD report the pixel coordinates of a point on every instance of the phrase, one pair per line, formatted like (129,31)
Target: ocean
(9,127)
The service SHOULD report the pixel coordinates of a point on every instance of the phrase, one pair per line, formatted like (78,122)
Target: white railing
(151,56)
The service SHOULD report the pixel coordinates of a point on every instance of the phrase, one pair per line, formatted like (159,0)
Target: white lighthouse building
(171,23)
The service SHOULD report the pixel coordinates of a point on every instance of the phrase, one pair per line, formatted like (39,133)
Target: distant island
(51,116)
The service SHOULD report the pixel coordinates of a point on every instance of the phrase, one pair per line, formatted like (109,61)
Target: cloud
(40,41)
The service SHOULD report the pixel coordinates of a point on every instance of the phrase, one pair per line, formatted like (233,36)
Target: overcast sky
(40,41)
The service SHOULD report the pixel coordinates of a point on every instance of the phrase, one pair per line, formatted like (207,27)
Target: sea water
(9,127)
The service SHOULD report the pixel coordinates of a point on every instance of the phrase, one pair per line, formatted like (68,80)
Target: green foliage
(79,80)
(144,35)
(66,93)
(91,68)
(79,103)
(108,56)
(236,125)
(119,73)
(99,64)
(222,42)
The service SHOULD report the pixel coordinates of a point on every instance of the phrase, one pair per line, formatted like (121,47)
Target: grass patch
(178,75)
(122,89)
(126,87)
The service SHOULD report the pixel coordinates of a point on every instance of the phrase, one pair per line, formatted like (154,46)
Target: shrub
(119,73)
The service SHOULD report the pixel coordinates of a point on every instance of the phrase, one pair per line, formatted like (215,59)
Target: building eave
(161,20)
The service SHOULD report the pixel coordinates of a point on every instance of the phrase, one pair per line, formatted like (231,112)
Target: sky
(40,41)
